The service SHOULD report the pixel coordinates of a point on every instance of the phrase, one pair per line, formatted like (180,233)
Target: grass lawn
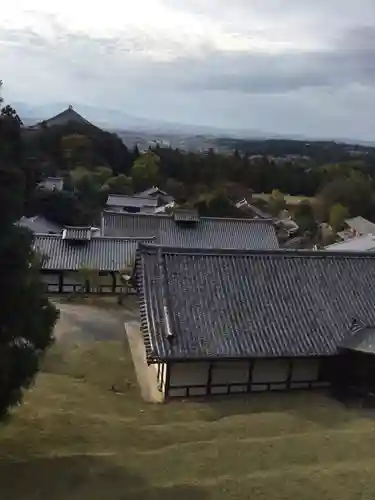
(74,438)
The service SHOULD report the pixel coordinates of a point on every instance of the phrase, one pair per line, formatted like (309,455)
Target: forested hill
(320,151)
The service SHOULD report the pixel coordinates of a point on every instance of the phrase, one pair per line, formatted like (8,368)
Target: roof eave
(153,358)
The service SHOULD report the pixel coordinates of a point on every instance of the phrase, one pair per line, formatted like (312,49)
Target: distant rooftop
(66,116)
(153,191)
(100,253)
(364,243)
(119,200)
(207,232)
(77,233)
(361,225)
(39,224)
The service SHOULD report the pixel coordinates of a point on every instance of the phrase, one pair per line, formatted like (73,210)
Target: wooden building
(185,228)
(131,204)
(243,321)
(77,261)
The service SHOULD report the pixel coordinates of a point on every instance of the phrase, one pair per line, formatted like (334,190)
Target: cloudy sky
(279,66)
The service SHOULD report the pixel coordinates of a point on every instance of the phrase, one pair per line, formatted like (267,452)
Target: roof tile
(104,254)
(233,303)
(208,232)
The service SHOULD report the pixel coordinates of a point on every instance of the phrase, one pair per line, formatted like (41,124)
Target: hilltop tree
(337,216)
(354,192)
(305,217)
(145,171)
(276,202)
(26,316)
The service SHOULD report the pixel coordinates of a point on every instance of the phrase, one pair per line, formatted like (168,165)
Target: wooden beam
(113,274)
(250,374)
(290,373)
(61,281)
(167,379)
(209,378)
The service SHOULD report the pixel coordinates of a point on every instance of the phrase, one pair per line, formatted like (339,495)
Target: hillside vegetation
(339,177)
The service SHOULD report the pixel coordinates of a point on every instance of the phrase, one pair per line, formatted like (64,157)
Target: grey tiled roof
(78,233)
(233,303)
(208,232)
(362,340)
(39,224)
(119,200)
(104,254)
(185,215)
(364,243)
(361,225)
(154,191)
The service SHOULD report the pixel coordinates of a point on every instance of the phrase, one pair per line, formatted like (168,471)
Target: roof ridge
(169,216)
(280,252)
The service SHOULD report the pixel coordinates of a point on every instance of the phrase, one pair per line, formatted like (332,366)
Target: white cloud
(279,65)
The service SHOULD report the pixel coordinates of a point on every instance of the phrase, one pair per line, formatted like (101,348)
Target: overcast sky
(281,66)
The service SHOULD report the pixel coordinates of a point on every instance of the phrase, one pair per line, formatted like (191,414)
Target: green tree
(77,149)
(27,317)
(276,202)
(354,192)
(102,174)
(145,171)
(305,217)
(120,184)
(337,216)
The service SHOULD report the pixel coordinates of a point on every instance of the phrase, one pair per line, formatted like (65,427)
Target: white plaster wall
(52,280)
(305,369)
(266,374)
(233,372)
(115,208)
(188,374)
(273,370)
(147,210)
(161,382)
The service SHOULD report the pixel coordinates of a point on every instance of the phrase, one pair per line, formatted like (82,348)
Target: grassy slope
(74,439)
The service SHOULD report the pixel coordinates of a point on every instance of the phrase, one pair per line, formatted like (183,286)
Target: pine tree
(27,317)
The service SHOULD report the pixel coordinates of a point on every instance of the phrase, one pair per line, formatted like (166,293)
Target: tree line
(26,316)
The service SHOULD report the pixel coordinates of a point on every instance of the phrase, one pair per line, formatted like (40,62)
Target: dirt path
(80,323)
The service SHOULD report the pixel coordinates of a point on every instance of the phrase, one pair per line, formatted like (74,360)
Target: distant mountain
(114,119)
(119,121)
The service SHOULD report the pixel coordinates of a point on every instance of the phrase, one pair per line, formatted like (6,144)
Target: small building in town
(357,226)
(38,224)
(79,261)
(365,243)
(52,184)
(155,192)
(283,221)
(185,228)
(131,204)
(243,321)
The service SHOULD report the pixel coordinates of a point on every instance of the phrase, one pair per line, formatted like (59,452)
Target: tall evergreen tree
(27,317)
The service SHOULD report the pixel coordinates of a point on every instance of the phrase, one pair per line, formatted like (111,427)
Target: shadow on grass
(82,477)
(319,407)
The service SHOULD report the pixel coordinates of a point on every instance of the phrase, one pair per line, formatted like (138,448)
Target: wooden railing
(77,289)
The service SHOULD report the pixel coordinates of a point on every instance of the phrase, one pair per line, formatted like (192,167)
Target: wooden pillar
(250,375)
(167,379)
(209,379)
(289,377)
(61,281)
(113,274)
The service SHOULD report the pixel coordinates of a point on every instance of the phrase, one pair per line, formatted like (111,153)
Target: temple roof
(207,304)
